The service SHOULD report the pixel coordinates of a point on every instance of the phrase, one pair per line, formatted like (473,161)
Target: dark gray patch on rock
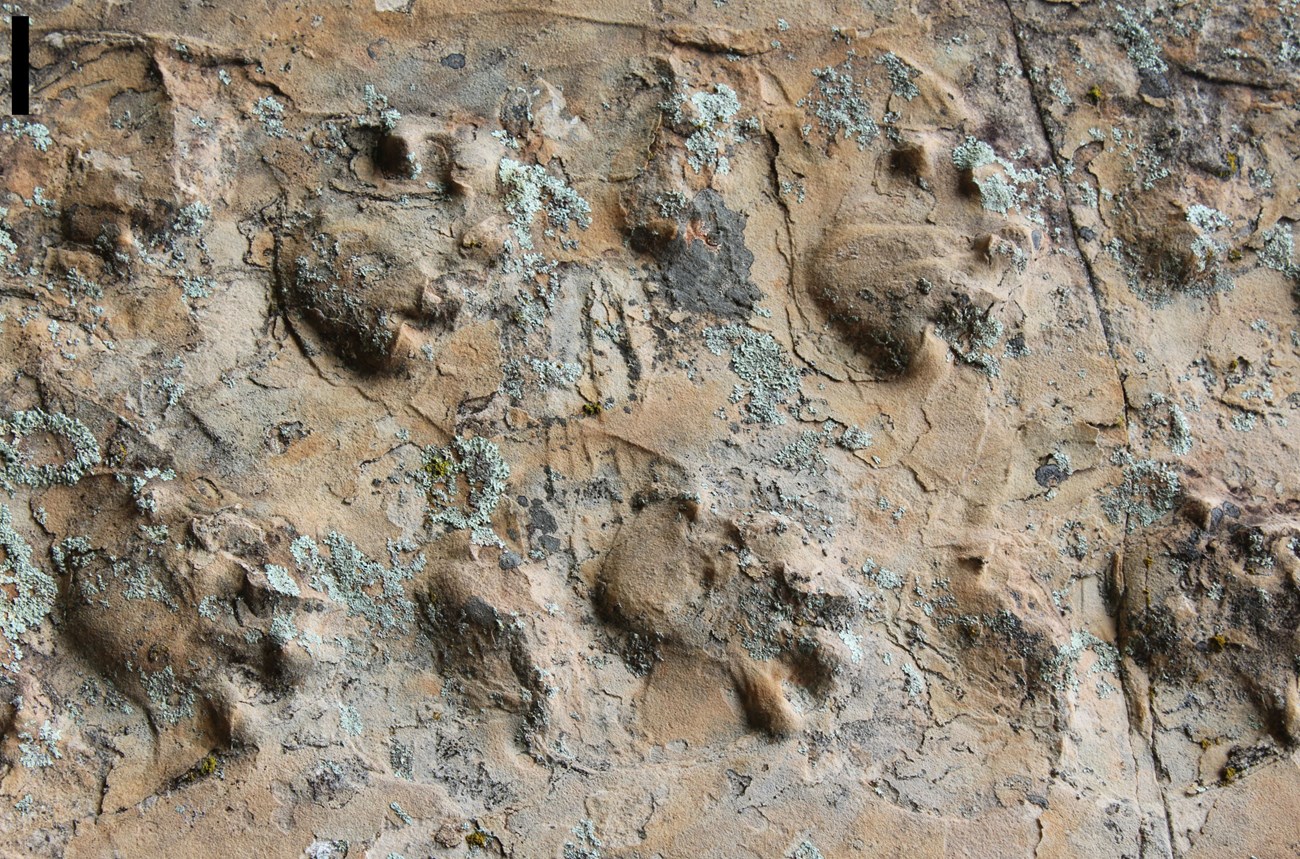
(706,265)
(1049,475)
(1154,84)
(541,519)
(542,527)
(478,612)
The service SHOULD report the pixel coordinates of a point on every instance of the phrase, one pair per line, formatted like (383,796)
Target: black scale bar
(19,66)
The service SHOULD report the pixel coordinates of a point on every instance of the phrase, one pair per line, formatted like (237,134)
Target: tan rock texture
(651,430)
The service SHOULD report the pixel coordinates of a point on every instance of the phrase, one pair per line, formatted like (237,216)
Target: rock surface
(651,430)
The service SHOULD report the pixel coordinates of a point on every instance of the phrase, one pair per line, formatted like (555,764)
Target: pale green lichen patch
(270,112)
(42,750)
(588,844)
(901,75)
(350,720)
(145,501)
(16,465)
(379,113)
(914,682)
(971,333)
(36,132)
(531,191)
(71,554)
(1061,671)
(402,759)
(1164,413)
(804,453)
(1134,36)
(1207,248)
(475,463)
(1180,432)
(853,439)
(27,593)
(1149,490)
(191,219)
(115,576)
(761,364)
(283,630)
(172,701)
(997,194)
(7,246)
(1279,249)
(712,118)
(396,808)
(805,850)
(281,581)
(543,375)
(1008,187)
(365,586)
(882,576)
(971,154)
(839,104)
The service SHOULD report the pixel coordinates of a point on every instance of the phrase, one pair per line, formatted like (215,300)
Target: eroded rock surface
(670,430)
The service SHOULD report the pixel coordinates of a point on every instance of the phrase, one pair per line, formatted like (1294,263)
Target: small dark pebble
(454,61)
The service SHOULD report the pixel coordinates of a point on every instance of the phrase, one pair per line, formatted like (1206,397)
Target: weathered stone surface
(653,430)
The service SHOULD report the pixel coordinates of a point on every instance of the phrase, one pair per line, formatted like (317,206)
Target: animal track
(703,588)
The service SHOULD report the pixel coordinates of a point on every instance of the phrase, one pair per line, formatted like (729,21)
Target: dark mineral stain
(706,266)
(1049,475)
(541,519)
(542,527)
(1016,347)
